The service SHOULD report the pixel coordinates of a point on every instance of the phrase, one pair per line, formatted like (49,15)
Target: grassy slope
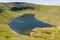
(49,14)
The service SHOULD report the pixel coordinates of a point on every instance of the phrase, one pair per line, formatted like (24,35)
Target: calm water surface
(26,22)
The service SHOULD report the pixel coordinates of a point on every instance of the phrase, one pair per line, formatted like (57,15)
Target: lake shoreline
(25,19)
(13,30)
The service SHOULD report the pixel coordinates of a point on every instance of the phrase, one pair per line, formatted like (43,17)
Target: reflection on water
(26,22)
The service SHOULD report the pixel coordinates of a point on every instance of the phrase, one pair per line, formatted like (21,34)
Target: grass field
(48,14)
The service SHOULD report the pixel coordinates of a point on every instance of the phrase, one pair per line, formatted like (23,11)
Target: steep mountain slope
(47,14)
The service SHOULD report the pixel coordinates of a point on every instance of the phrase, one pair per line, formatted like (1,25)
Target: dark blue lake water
(27,22)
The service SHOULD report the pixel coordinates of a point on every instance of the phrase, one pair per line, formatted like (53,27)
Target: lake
(27,22)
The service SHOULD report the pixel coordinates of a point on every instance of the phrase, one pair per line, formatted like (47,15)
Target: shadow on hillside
(1,10)
(27,22)
(21,8)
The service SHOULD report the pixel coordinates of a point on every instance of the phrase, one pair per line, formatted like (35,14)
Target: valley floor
(6,34)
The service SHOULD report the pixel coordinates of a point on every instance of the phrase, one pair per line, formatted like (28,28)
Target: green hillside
(48,14)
